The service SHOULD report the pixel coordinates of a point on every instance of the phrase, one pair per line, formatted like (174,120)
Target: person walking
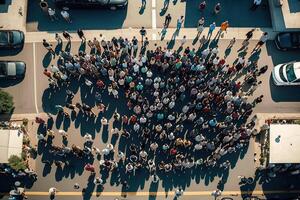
(67,35)
(143,33)
(58,38)
(179,22)
(202,6)
(223,28)
(66,16)
(168,19)
(48,46)
(212,27)
(217,8)
(200,26)
(249,34)
(183,41)
(52,14)
(261,41)
(255,4)
(81,35)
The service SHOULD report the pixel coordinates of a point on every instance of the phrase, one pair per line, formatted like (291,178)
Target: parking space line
(34,79)
(154,18)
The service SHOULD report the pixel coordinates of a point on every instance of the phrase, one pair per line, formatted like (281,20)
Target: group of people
(184,110)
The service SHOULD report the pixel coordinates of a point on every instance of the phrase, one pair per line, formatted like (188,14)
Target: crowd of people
(185,110)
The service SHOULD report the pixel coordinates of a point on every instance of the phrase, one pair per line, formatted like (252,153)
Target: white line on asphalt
(154,18)
(34,79)
(153,3)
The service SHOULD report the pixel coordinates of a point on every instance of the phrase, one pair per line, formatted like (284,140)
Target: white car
(286,74)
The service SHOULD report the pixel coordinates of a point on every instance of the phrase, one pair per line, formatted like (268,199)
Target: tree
(16,163)
(6,103)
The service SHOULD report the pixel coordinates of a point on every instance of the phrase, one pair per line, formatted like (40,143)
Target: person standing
(52,14)
(143,33)
(217,8)
(202,6)
(212,27)
(168,19)
(58,38)
(200,26)
(48,46)
(66,16)
(179,23)
(67,36)
(249,35)
(261,41)
(183,41)
(81,35)
(255,4)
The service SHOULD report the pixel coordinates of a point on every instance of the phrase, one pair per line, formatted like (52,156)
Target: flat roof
(10,144)
(284,143)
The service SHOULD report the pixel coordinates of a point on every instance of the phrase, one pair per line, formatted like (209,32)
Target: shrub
(6,103)
(16,163)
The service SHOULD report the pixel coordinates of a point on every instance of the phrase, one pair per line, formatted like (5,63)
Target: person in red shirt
(47,73)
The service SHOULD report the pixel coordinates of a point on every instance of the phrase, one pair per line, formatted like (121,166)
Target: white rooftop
(284,143)
(10,144)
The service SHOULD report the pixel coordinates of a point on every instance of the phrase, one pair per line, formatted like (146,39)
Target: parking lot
(152,16)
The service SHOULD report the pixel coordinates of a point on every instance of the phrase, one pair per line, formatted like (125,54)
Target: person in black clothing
(67,35)
(143,33)
(249,35)
(81,35)
(168,19)
(48,46)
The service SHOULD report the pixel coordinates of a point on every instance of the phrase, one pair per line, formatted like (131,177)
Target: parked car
(112,4)
(286,74)
(288,40)
(12,69)
(11,39)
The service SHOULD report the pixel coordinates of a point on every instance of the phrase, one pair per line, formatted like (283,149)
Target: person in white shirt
(52,15)
(183,41)
(263,39)
(255,4)
(66,16)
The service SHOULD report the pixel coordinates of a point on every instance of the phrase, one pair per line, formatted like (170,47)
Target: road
(152,16)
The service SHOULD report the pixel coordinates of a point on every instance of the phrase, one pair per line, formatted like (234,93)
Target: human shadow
(58,48)
(82,47)
(143,7)
(165,8)
(47,59)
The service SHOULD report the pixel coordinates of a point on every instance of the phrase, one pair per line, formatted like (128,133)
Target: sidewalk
(15,17)
(152,34)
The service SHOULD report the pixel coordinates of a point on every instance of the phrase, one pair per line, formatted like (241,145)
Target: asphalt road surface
(150,16)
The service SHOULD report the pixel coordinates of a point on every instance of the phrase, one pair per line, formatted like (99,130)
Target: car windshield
(3,69)
(3,37)
(296,39)
(290,73)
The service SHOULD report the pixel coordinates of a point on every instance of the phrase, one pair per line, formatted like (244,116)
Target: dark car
(112,4)
(288,41)
(12,69)
(11,39)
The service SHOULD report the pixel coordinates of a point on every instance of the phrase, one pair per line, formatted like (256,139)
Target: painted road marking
(34,79)
(154,18)
(171,193)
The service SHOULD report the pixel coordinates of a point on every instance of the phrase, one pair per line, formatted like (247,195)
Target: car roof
(297,69)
